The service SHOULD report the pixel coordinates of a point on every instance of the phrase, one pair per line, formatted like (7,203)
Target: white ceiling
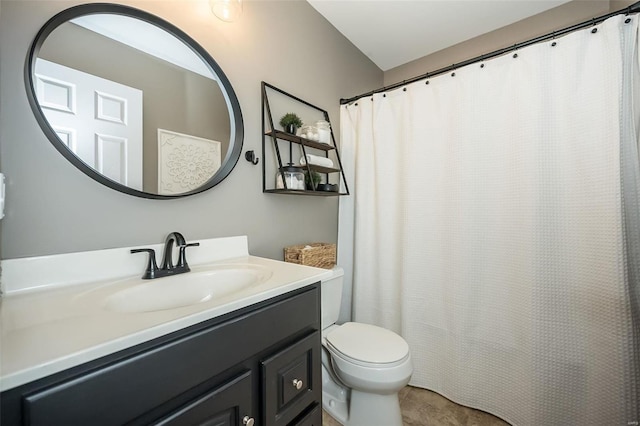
(394,32)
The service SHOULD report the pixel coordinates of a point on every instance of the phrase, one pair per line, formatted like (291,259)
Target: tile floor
(421,407)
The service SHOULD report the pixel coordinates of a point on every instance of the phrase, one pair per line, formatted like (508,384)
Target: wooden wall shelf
(277,136)
(305,192)
(297,139)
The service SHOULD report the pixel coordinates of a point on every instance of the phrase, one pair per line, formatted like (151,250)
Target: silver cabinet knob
(248,421)
(297,384)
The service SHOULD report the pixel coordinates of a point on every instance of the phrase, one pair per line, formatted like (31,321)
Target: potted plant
(312,180)
(290,122)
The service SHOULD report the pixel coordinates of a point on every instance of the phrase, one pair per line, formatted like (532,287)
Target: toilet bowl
(363,366)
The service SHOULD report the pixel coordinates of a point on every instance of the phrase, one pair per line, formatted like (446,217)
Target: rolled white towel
(318,161)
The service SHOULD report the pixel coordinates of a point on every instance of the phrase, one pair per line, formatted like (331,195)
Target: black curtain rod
(594,21)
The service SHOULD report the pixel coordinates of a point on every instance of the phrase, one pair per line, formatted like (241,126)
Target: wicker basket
(320,255)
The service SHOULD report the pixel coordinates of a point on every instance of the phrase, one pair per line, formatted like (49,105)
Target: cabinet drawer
(130,387)
(291,380)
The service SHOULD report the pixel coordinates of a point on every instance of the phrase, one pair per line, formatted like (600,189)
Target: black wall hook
(250,156)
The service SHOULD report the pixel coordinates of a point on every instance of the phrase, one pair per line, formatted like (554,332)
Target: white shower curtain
(489,226)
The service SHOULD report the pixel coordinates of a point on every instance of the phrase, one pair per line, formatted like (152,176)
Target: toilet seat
(367,345)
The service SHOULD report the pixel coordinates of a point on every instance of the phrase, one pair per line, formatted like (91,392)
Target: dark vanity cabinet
(260,365)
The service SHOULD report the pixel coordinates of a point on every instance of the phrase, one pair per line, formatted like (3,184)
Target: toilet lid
(368,343)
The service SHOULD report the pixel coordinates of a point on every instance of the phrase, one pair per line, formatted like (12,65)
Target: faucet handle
(182,257)
(152,267)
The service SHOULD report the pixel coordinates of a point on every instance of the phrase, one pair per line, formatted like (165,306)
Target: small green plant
(312,180)
(290,119)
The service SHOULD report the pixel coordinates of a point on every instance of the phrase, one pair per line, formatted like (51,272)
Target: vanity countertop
(47,330)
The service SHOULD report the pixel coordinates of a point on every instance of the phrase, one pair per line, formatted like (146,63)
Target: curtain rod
(594,21)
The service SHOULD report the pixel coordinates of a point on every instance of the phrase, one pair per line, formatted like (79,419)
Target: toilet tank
(331,297)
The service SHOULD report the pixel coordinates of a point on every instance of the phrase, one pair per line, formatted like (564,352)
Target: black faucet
(167,268)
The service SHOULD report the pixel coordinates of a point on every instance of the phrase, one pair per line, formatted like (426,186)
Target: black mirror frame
(233,154)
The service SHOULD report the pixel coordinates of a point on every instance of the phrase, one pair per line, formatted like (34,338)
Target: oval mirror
(133,101)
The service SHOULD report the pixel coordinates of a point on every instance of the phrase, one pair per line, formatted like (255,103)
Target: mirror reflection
(135,104)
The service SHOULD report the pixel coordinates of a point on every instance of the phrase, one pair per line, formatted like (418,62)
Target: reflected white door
(98,119)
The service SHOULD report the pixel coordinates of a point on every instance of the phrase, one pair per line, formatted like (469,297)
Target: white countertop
(47,331)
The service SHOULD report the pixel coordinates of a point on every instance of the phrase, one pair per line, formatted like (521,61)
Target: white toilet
(363,366)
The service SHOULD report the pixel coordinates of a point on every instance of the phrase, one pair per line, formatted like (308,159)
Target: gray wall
(563,16)
(54,208)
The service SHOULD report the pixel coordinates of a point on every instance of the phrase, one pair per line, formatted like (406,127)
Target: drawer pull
(297,384)
(248,421)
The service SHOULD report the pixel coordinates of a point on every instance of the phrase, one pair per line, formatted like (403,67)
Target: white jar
(294,177)
(308,131)
(324,131)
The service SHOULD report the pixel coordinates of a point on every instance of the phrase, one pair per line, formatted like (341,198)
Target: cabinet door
(291,381)
(226,405)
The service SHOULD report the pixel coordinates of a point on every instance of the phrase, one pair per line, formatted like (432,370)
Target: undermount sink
(198,286)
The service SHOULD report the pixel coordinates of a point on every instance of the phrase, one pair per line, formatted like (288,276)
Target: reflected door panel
(98,119)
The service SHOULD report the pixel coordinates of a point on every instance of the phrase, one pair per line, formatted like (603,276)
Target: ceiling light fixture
(226,10)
